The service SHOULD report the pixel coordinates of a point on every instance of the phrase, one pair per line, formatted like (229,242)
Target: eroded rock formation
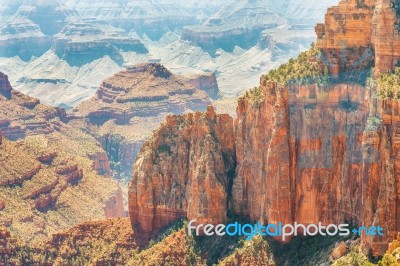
(130,105)
(206,82)
(21,115)
(309,153)
(359,34)
(184,170)
(81,43)
(49,175)
(44,189)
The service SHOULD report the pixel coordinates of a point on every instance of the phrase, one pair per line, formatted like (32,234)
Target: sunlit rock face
(49,170)
(184,170)
(310,153)
(357,35)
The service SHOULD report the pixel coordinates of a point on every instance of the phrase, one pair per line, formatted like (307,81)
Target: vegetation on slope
(303,70)
(355,257)
(389,85)
(253,252)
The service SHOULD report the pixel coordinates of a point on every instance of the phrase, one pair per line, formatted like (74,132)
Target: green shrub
(303,70)
(389,85)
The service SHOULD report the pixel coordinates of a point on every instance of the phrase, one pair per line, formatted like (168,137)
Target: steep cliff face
(206,82)
(381,181)
(114,206)
(385,37)
(184,170)
(359,34)
(337,153)
(262,135)
(318,152)
(303,153)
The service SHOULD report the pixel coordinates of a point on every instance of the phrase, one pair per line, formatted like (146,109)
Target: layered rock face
(132,103)
(28,32)
(51,172)
(206,82)
(21,37)
(114,206)
(303,154)
(21,115)
(51,16)
(153,18)
(299,154)
(358,34)
(184,170)
(44,189)
(381,181)
(81,43)
(237,24)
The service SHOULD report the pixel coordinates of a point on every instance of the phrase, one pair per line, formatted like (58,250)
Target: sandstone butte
(47,181)
(131,104)
(295,153)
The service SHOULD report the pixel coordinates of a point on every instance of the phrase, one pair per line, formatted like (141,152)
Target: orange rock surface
(359,34)
(302,153)
(48,181)
(184,170)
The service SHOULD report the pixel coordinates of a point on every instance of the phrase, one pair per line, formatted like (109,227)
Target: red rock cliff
(184,171)
(358,34)
(304,153)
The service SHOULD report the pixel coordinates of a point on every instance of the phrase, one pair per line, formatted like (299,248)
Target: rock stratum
(130,105)
(311,144)
(49,177)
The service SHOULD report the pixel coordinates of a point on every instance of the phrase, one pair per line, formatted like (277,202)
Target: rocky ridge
(236,24)
(15,105)
(49,177)
(305,151)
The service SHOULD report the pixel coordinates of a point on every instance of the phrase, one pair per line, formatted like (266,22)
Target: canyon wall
(303,154)
(206,82)
(184,170)
(359,34)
